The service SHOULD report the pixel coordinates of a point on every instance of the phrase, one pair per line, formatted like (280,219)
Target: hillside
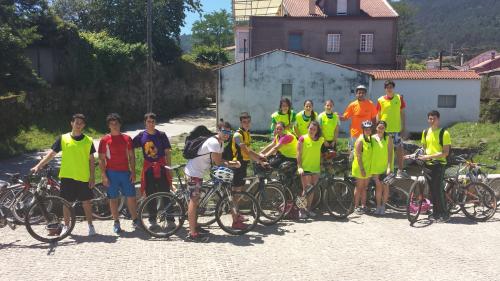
(471,26)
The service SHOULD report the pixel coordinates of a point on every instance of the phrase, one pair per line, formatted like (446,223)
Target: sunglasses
(226,132)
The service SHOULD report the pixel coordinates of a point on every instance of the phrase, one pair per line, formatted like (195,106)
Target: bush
(490,111)
(210,55)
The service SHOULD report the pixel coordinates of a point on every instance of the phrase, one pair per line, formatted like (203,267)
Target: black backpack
(228,150)
(195,140)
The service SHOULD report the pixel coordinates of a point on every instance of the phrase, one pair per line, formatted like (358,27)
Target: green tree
(215,29)
(212,55)
(406,23)
(126,20)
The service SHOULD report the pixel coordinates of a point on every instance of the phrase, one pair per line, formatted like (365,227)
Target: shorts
(73,190)
(194,185)
(119,182)
(325,149)
(240,173)
(396,139)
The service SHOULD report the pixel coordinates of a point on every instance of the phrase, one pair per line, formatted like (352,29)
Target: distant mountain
(472,26)
(186,43)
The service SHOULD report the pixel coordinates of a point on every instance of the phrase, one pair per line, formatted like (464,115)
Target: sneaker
(359,210)
(311,214)
(135,224)
(116,227)
(196,238)
(382,210)
(365,210)
(239,225)
(64,230)
(377,211)
(92,230)
(402,174)
(201,230)
(302,214)
(442,219)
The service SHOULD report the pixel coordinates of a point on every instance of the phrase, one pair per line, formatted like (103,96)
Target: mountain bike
(162,214)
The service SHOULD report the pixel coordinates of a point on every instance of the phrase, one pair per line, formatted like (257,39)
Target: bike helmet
(361,87)
(366,124)
(288,167)
(223,174)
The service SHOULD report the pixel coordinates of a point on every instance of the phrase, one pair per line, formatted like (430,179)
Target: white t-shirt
(197,166)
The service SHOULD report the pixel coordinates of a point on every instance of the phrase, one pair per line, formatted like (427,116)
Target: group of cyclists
(304,137)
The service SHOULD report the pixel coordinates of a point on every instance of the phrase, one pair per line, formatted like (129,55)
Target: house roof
(480,58)
(300,55)
(300,8)
(423,74)
(378,9)
(484,63)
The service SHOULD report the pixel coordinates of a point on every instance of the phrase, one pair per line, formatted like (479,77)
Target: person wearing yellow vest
(77,168)
(329,123)
(284,114)
(242,153)
(361,165)
(380,167)
(391,109)
(304,118)
(436,152)
(284,145)
(309,162)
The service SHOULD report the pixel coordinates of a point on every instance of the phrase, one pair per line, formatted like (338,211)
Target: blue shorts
(396,139)
(119,182)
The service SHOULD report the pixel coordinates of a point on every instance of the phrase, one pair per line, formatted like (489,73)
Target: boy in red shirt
(117,163)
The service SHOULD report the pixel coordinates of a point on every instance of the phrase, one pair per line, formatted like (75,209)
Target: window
(333,43)
(366,43)
(447,101)
(286,91)
(341,7)
(295,42)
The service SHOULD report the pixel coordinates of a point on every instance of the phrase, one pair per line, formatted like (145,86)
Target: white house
(257,84)
(455,94)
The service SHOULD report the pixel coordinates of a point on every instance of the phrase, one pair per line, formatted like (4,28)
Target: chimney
(493,55)
(312,7)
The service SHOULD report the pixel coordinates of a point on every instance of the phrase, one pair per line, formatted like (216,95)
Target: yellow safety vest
(288,150)
(390,112)
(75,158)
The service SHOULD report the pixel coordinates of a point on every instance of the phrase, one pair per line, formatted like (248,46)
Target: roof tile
(423,74)
(300,8)
(373,8)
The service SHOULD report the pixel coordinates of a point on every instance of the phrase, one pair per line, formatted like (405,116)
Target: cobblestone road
(361,248)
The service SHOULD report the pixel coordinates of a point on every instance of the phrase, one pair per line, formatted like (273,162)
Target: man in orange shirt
(360,110)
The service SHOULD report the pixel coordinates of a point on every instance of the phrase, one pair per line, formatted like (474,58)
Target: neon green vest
(328,125)
(75,158)
(390,112)
(287,119)
(380,155)
(367,158)
(302,124)
(311,154)
(288,150)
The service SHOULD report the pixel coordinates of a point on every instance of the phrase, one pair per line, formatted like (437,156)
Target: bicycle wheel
(451,194)
(161,214)
(414,204)
(22,204)
(316,197)
(338,198)
(207,207)
(271,202)
(478,202)
(50,228)
(495,185)
(229,211)
(100,203)
(397,198)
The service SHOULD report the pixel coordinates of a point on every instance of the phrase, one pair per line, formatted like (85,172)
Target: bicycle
(397,195)
(167,211)
(44,216)
(470,195)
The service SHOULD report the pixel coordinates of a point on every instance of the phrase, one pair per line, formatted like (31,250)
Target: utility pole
(440,60)
(149,24)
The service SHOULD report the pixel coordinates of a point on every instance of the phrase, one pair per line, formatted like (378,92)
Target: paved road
(361,248)
(174,128)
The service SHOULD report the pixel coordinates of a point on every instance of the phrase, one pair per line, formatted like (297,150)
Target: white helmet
(223,174)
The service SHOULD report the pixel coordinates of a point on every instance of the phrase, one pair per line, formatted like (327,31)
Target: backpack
(441,134)
(228,149)
(195,140)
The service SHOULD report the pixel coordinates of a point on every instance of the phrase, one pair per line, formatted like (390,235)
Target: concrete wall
(421,96)
(265,74)
(270,33)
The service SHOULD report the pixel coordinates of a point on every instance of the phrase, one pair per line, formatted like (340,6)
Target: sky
(208,7)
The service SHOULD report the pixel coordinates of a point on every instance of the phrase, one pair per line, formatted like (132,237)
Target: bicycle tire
(317,195)
(495,185)
(22,204)
(246,202)
(206,213)
(338,198)
(271,202)
(451,194)
(479,202)
(100,203)
(415,201)
(397,198)
(50,216)
(168,209)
